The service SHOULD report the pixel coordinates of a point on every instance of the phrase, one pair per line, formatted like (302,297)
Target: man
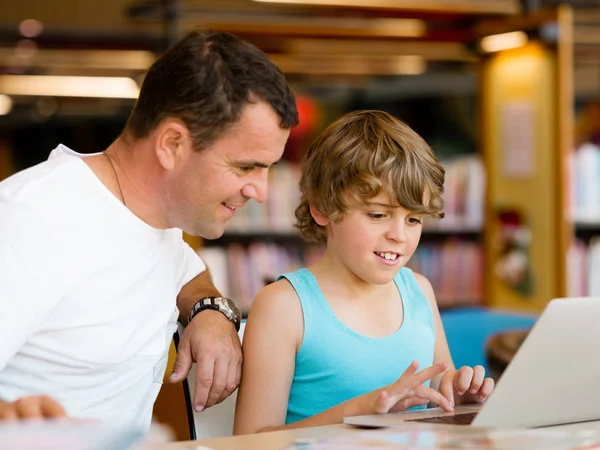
(93,269)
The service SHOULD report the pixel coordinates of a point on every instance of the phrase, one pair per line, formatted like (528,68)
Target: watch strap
(222,304)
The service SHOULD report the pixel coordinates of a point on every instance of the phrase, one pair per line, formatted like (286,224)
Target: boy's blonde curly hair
(357,157)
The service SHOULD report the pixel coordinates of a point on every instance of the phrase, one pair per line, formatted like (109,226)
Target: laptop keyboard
(456,419)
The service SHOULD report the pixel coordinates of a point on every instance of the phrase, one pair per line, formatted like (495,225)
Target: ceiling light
(69,86)
(472,6)
(505,41)
(410,65)
(31,28)
(5,104)
(26,48)
(397,27)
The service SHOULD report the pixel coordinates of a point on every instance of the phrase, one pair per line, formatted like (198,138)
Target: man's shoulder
(42,180)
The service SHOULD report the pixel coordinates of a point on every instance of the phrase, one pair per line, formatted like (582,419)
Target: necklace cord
(116,178)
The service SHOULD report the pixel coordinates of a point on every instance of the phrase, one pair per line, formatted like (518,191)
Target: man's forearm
(198,287)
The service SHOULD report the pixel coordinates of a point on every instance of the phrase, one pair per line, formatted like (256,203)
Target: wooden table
(272,440)
(278,440)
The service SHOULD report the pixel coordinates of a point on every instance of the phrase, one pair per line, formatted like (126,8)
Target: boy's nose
(397,232)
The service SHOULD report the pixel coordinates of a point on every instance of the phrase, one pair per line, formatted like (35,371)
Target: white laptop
(553,379)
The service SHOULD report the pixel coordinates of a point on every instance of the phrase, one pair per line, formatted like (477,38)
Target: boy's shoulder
(277,307)
(279,287)
(421,279)
(426,288)
(277,295)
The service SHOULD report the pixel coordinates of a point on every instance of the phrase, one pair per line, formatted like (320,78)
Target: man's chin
(208,234)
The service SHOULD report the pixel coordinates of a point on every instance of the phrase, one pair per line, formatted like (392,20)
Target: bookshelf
(526,109)
(587,231)
(534,83)
(560,194)
(583,260)
(293,238)
(261,242)
(584,253)
(525,95)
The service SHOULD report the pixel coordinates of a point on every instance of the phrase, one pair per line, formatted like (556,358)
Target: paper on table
(422,436)
(67,435)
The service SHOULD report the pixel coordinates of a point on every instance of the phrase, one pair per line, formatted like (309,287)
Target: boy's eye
(376,216)
(414,220)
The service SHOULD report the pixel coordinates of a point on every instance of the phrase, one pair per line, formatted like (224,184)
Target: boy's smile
(389,258)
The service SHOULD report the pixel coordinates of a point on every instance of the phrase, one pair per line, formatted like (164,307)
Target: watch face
(234,309)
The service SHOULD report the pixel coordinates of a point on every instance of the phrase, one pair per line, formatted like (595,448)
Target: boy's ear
(320,218)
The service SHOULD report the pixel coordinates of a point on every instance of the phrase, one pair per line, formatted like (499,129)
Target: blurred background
(507,93)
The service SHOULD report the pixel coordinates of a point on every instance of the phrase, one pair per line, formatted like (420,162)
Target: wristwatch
(222,304)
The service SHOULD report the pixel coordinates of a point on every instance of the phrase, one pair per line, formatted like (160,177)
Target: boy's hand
(467,385)
(406,392)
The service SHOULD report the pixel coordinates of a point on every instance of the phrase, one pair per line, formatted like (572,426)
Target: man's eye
(247,169)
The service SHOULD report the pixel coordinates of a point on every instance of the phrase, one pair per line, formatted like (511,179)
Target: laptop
(553,379)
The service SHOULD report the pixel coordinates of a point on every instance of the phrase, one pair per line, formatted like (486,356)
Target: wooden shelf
(244,238)
(290,237)
(587,231)
(442,234)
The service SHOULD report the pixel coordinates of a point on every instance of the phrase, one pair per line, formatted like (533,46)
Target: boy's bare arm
(272,335)
(404,393)
(441,350)
(463,386)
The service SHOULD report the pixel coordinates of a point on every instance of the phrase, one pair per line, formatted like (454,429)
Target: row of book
(464,198)
(454,268)
(583,266)
(585,184)
(240,271)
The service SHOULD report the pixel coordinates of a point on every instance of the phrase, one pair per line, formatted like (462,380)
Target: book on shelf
(583,258)
(584,197)
(454,269)
(464,190)
(583,263)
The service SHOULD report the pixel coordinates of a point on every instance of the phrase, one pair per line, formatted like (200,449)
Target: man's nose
(258,188)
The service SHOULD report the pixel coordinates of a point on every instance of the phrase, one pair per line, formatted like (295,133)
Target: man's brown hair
(360,155)
(206,80)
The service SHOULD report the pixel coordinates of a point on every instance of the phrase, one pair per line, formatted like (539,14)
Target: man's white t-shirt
(87,293)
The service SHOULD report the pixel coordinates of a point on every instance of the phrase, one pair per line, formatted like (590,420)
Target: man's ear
(320,218)
(172,142)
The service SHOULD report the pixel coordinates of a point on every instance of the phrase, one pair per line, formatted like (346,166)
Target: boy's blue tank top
(335,364)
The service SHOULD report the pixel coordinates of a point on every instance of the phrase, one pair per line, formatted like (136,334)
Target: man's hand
(35,407)
(210,340)
(467,385)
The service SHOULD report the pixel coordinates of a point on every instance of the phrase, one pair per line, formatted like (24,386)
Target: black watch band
(222,304)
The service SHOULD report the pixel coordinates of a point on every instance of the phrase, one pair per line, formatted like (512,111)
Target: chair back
(216,421)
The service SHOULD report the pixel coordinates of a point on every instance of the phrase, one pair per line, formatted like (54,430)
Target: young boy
(331,340)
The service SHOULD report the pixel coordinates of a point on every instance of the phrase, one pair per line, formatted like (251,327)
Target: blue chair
(469,329)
